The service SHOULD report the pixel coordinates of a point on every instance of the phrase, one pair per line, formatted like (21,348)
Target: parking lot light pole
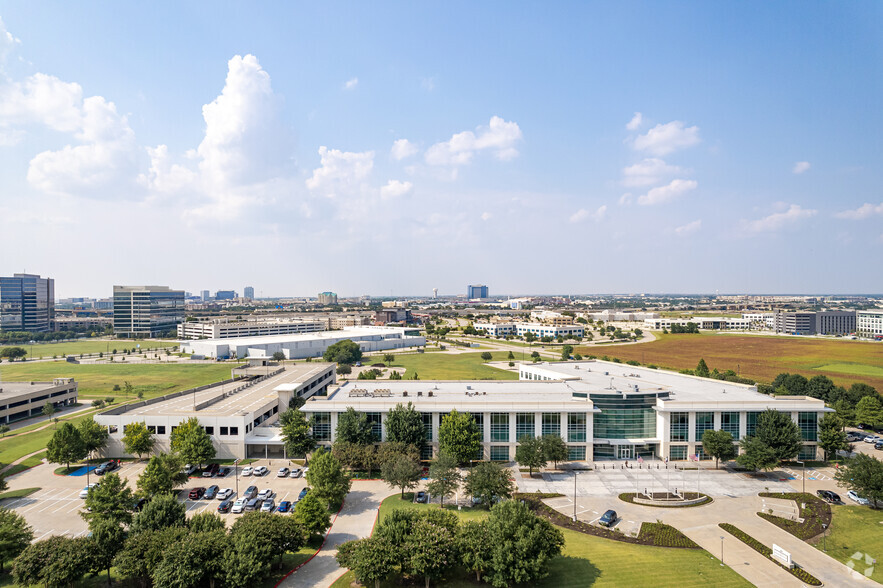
(825,537)
(236,475)
(722,550)
(574,496)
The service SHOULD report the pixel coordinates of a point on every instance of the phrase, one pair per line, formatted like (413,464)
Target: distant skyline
(393,148)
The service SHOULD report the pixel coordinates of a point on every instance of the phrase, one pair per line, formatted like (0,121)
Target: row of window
(679,452)
(209,430)
(679,425)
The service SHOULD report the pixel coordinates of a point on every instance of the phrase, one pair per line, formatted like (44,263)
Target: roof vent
(430,393)
(405,393)
(484,393)
(419,393)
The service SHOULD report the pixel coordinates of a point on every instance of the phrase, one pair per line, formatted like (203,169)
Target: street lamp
(722,550)
(802,463)
(574,496)
(825,537)
(236,475)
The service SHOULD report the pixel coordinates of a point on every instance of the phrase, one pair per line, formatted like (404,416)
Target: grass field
(594,561)
(438,366)
(855,531)
(761,357)
(47,350)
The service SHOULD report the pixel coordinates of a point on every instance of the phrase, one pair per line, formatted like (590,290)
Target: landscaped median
(767,552)
(687,500)
(816,514)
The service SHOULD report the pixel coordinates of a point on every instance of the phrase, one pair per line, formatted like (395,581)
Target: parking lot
(55,508)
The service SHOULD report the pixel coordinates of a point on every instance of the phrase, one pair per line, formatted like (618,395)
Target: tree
(868,411)
(821,387)
(719,445)
(196,560)
(405,425)
(845,411)
(475,546)
(488,482)
(13,353)
(388,358)
(776,431)
(430,550)
(312,515)
(205,522)
(530,454)
(832,437)
(296,433)
(15,535)
(353,427)
(107,540)
(110,501)
(444,477)
(93,435)
(510,356)
(48,409)
(554,449)
(162,512)
(65,446)
(345,351)
(161,475)
(459,436)
(143,551)
(522,543)
(327,479)
(278,356)
(395,375)
(371,560)
(863,474)
(129,388)
(402,472)
(486,356)
(566,352)
(191,441)
(137,439)
(702,369)
(54,562)
(756,455)
(344,369)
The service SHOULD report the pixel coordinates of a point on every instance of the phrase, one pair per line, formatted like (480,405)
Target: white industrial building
(304,345)
(712,323)
(225,328)
(538,329)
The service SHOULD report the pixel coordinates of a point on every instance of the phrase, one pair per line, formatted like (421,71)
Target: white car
(261,471)
(296,473)
(855,497)
(268,506)
(247,471)
(872,439)
(225,494)
(85,491)
(239,505)
(282,473)
(266,494)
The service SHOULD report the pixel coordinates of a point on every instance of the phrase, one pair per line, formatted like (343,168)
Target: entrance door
(626,452)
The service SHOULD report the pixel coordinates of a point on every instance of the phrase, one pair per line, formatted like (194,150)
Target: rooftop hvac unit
(419,393)
(430,393)
(405,393)
(469,387)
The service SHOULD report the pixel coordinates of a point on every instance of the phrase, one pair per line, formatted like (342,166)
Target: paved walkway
(355,521)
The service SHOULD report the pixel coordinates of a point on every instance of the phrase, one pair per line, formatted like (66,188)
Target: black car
(107,466)
(211,492)
(828,496)
(608,518)
(211,471)
(139,504)
(878,445)
(421,497)
(223,472)
(225,506)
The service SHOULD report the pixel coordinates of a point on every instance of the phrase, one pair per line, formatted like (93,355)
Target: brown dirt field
(755,356)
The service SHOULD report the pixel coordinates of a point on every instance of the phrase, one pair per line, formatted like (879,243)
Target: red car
(196,493)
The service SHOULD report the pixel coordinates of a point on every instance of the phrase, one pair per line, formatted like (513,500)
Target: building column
(563,429)
(538,425)
(333,426)
(513,426)
(743,424)
(691,426)
(717,421)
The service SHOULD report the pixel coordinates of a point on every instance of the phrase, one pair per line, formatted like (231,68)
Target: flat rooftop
(241,403)
(12,389)
(345,333)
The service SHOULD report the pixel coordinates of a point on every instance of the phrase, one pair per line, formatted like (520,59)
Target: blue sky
(390,148)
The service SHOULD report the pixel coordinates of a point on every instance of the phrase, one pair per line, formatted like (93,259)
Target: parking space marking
(44,534)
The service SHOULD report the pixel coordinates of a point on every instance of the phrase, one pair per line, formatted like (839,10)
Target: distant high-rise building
(225,295)
(27,303)
(146,311)
(248,292)
(206,295)
(327,298)
(435,292)
(474,291)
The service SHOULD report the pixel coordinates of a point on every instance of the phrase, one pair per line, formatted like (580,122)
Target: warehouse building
(225,328)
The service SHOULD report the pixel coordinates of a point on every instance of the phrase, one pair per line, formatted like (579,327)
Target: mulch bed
(816,514)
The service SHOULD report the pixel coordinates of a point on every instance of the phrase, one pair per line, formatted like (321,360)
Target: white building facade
(869,323)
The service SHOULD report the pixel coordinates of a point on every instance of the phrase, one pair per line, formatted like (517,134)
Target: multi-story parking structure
(22,400)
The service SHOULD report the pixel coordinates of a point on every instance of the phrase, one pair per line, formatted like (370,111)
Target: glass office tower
(27,303)
(146,311)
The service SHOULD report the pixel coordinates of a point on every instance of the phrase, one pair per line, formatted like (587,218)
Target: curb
(376,517)
(302,564)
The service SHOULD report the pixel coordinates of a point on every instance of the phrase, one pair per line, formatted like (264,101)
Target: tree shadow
(571,571)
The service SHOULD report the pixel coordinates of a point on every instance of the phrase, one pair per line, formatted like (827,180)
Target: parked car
(608,518)
(873,439)
(878,445)
(225,494)
(196,493)
(222,473)
(211,492)
(139,504)
(302,494)
(261,471)
(283,473)
(266,494)
(856,498)
(268,505)
(239,505)
(284,506)
(250,492)
(190,469)
(85,491)
(211,471)
(305,471)
(107,466)
(421,497)
(828,496)
(225,506)
(253,505)
(247,471)
(296,473)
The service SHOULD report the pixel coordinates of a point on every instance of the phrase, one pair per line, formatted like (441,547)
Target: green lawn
(852,369)
(460,366)
(594,561)
(47,350)
(20,493)
(856,535)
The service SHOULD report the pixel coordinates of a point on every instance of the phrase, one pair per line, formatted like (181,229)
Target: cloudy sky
(392,148)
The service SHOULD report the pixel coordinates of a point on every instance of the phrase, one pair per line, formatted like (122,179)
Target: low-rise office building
(225,328)
(496,329)
(22,400)
(869,323)
(541,330)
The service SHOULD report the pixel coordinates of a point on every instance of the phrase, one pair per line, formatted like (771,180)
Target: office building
(835,322)
(392,315)
(225,328)
(476,291)
(495,329)
(22,400)
(225,295)
(869,324)
(327,298)
(304,345)
(146,311)
(796,323)
(248,292)
(27,303)
(541,330)
(206,296)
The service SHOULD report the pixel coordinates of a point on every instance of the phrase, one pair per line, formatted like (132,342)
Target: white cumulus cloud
(394,189)
(626,199)
(777,220)
(582,214)
(7,42)
(499,137)
(340,171)
(664,139)
(648,172)
(402,149)
(635,123)
(351,84)
(800,167)
(689,228)
(663,194)
(864,211)
(486,216)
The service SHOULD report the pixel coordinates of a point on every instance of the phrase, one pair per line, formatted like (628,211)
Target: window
(576,427)
(160,429)
(576,453)
(750,423)
(524,425)
(478,417)
(677,452)
(427,427)
(700,452)
(275,409)
(499,453)
(680,426)
(426,452)
(376,425)
(151,428)
(209,430)
(730,423)
(704,422)
(234,430)
(551,423)
(500,428)
(224,430)
(808,426)
(631,417)
(807,452)
(322,426)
